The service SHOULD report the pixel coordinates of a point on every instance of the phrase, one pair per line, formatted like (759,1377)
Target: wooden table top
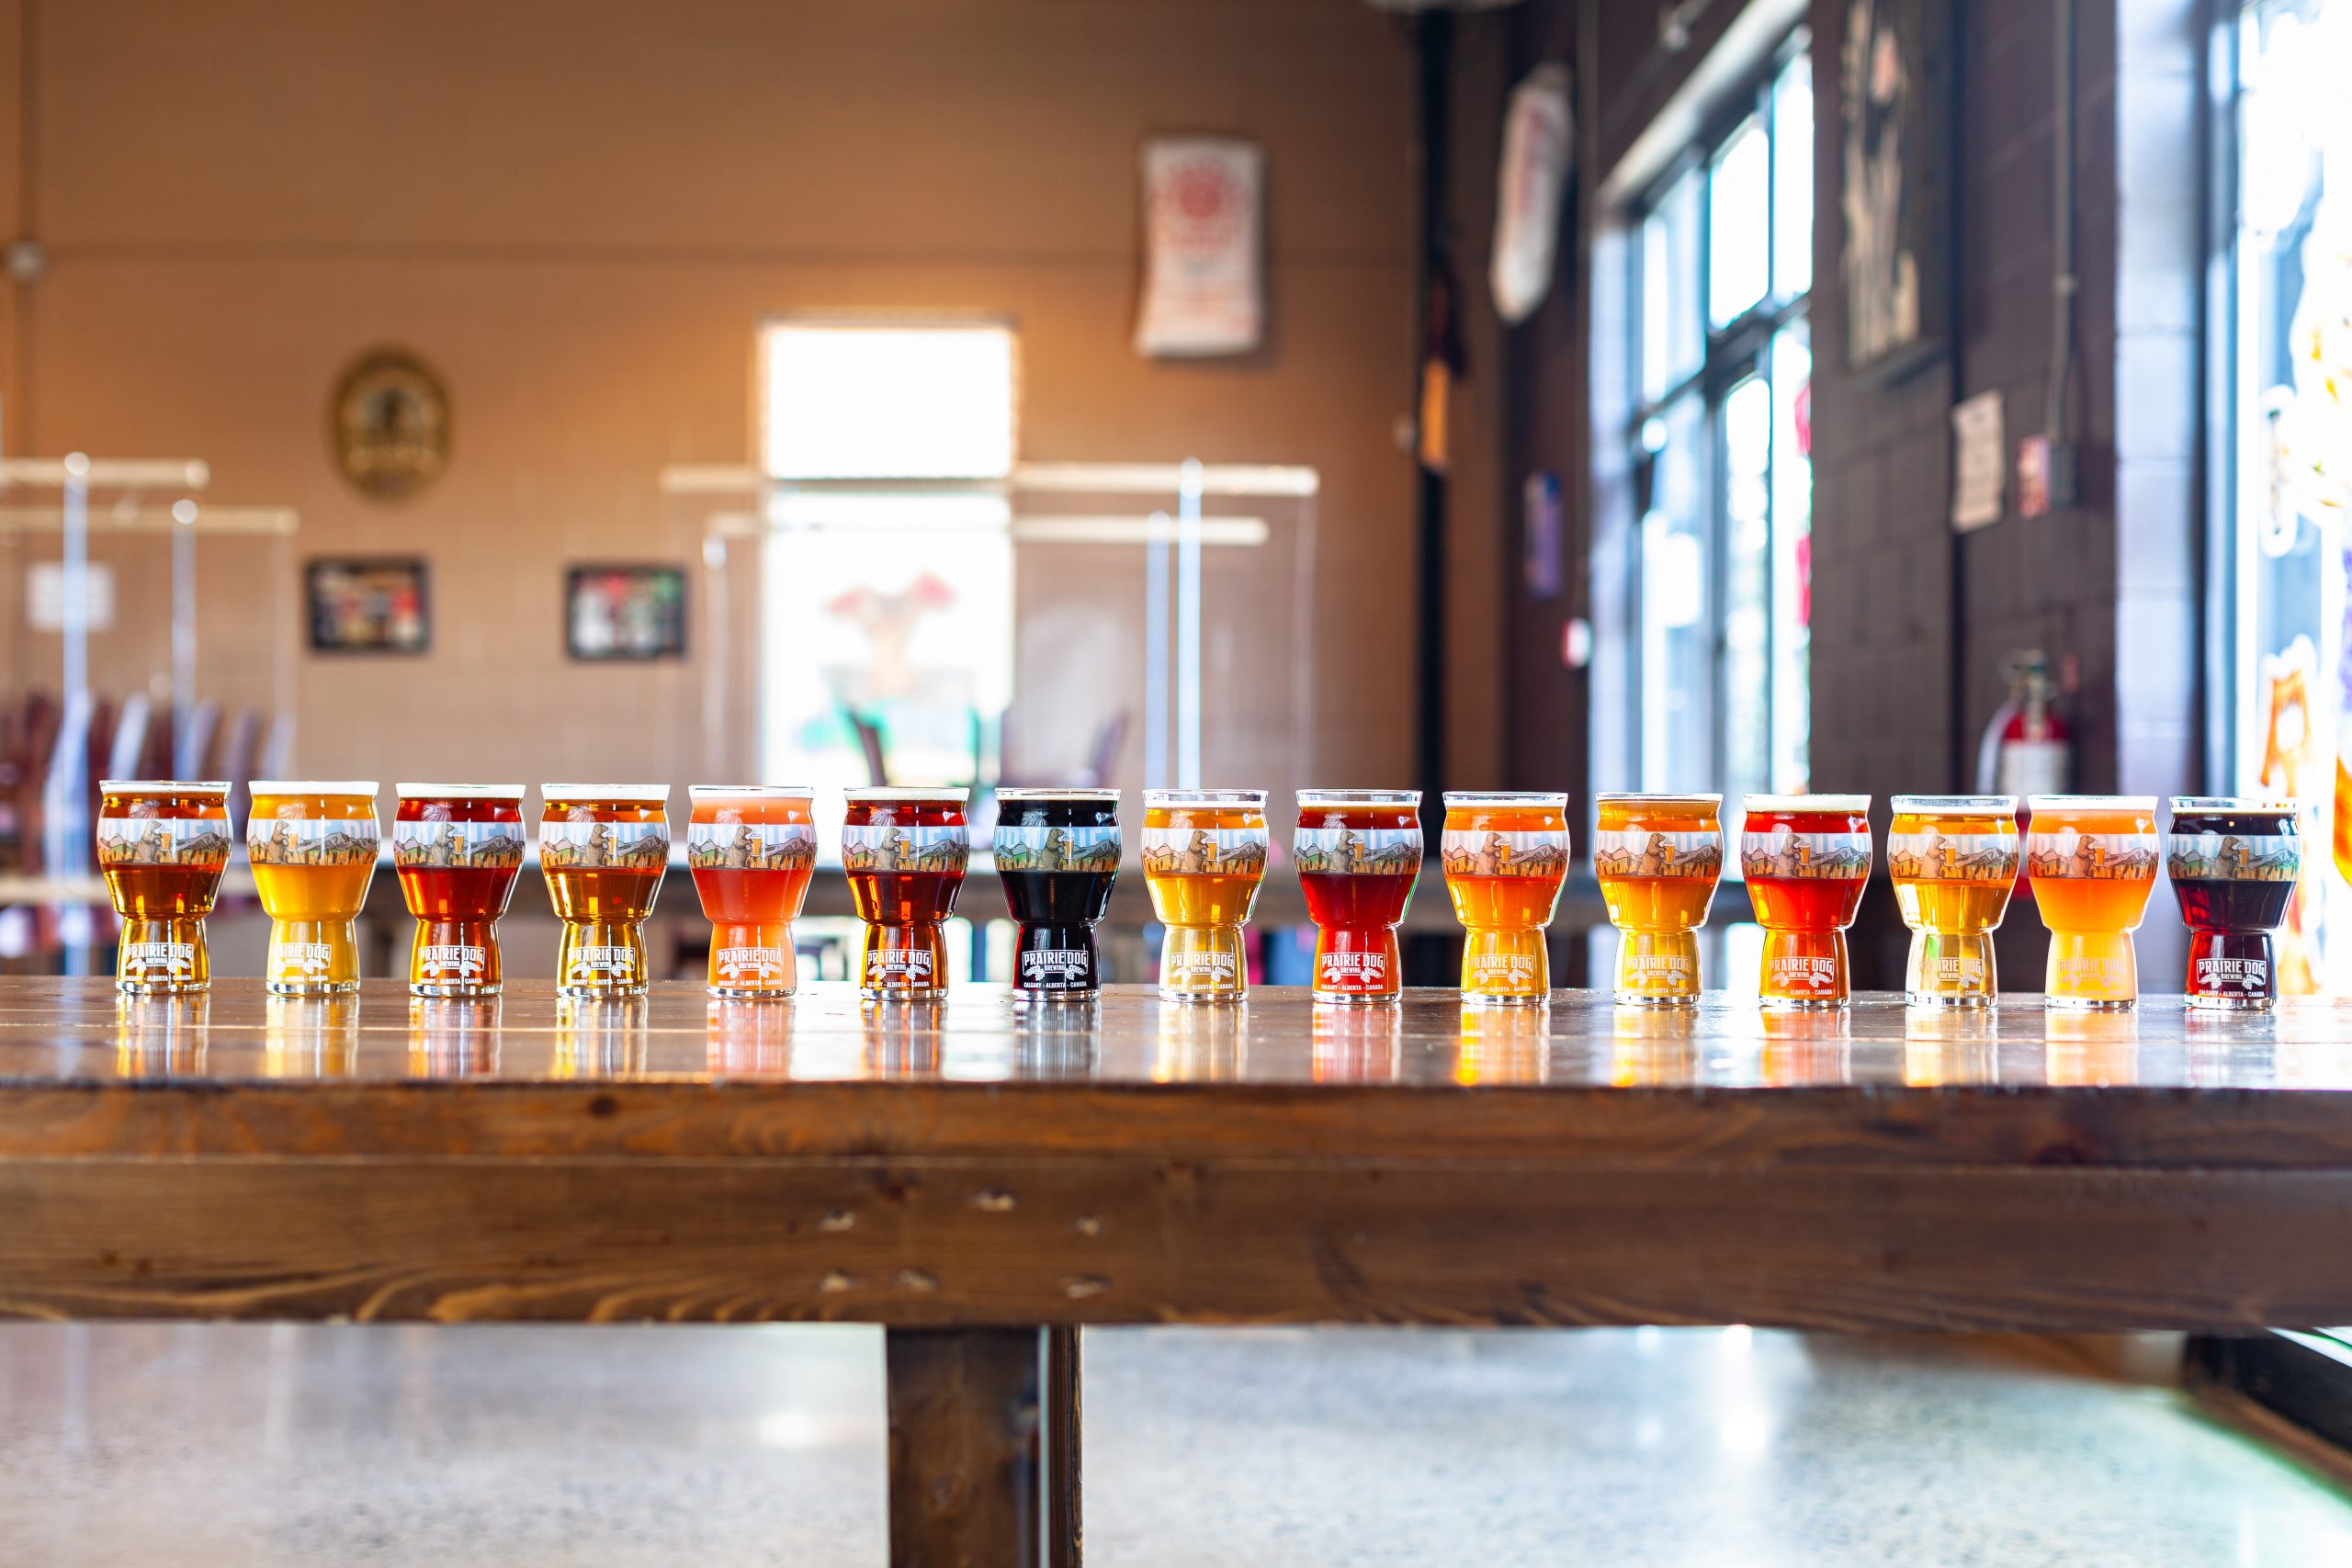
(1135,1161)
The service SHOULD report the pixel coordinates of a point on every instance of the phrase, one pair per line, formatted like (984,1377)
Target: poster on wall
(1203,290)
(624,612)
(1539,142)
(1894,177)
(373,604)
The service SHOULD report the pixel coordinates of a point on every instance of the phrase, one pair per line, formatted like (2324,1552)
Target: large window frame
(1719,692)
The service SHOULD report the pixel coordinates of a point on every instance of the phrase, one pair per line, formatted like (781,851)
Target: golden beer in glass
(1204,857)
(162,846)
(457,850)
(1504,857)
(313,848)
(1659,858)
(1953,861)
(604,850)
(2092,860)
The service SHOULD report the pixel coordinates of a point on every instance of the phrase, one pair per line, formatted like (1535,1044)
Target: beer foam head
(633,795)
(461,791)
(163,787)
(316,787)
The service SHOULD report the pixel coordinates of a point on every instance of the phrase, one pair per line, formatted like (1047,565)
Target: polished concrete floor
(131,1447)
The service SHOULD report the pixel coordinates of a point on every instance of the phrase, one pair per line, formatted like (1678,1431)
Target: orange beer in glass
(1806,858)
(457,850)
(1659,858)
(1953,861)
(1504,857)
(2092,860)
(1204,857)
(313,848)
(1359,855)
(752,848)
(162,846)
(604,850)
(905,851)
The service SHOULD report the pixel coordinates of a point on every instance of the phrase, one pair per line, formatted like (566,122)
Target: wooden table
(982,1183)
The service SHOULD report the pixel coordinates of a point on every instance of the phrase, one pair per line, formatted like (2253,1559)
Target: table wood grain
(969,1165)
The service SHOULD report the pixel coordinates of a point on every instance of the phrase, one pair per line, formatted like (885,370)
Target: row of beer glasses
(2091,862)
(458,851)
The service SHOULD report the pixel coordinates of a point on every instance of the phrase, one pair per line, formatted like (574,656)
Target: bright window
(886,600)
(2283,456)
(1722,367)
(850,401)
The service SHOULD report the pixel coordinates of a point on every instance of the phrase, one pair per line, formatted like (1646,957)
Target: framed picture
(624,612)
(1894,132)
(380,604)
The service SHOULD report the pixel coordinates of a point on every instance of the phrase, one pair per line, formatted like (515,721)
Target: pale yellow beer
(1953,861)
(312,848)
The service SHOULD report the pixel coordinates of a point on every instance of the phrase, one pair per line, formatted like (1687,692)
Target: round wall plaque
(390,424)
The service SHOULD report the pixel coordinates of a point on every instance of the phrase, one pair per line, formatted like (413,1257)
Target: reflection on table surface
(80,1031)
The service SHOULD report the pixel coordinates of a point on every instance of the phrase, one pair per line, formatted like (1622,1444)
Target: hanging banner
(1204,218)
(1538,144)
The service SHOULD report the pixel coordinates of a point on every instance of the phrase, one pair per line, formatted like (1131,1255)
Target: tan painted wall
(578,212)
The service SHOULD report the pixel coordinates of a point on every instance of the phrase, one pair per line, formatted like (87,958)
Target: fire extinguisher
(2027,748)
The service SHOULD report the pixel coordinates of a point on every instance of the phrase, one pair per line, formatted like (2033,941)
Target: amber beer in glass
(2234,864)
(1504,857)
(604,850)
(1056,852)
(313,848)
(1204,856)
(1806,858)
(752,849)
(2092,861)
(1358,855)
(161,845)
(457,850)
(905,851)
(1658,858)
(1953,861)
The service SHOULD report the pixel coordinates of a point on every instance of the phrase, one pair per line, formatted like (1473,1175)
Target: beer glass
(1953,861)
(604,850)
(161,845)
(1805,858)
(1359,853)
(1057,854)
(312,848)
(752,849)
(2092,861)
(905,851)
(2234,864)
(457,850)
(1504,857)
(1658,858)
(1204,856)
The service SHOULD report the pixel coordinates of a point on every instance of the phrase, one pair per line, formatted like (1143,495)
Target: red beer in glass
(1806,858)
(1359,853)
(752,848)
(904,850)
(458,850)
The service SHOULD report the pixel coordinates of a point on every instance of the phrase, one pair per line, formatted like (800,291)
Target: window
(887,600)
(1721,363)
(2282,459)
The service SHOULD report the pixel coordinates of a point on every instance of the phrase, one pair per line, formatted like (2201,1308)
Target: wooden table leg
(968,1487)
(1065,1441)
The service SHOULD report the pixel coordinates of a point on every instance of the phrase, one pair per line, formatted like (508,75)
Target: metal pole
(1154,654)
(1188,626)
(182,616)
